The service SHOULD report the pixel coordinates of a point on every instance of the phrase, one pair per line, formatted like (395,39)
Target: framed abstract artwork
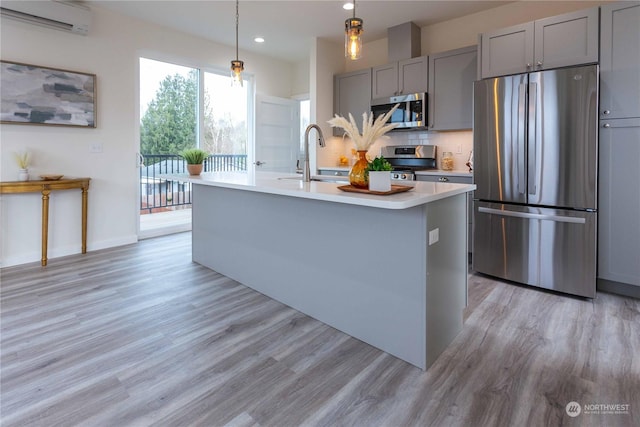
(36,95)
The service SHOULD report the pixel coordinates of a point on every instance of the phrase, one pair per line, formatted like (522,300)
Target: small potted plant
(379,174)
(23,160)
(194,158)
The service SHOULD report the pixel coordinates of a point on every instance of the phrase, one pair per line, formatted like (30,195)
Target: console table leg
(45,225)
(84,219)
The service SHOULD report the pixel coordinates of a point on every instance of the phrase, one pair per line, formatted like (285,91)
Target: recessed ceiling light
(259,40)
(347,6)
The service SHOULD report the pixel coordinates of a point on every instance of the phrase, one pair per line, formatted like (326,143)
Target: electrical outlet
(434,236)
(95,147)
(459,149)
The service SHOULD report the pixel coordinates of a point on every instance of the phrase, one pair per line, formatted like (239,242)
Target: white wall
(111,52)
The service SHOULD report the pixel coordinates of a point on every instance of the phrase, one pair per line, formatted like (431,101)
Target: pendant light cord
(354,8)
(237,19)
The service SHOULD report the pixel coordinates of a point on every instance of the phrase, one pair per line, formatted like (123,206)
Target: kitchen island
(388,270)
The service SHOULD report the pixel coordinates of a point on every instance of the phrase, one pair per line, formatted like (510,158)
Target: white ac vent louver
(59,15)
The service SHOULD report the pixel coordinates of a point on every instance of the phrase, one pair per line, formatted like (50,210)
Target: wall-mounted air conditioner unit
(59,15)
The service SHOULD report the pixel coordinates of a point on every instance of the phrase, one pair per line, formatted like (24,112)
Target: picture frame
(37,95)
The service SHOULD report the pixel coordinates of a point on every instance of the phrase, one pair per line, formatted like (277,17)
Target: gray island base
(360,263)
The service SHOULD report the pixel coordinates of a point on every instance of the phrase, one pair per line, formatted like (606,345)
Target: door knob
(606,125)
(258,163)
(606,112)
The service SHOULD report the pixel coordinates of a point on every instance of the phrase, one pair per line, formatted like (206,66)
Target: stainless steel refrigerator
(535,168)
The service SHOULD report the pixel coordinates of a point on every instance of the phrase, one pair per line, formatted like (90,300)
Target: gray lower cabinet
(557,41)
(451,77)
(352,94)
(620,60)
(455,179)
(619,201)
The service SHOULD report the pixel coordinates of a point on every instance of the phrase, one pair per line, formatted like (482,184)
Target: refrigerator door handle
(522,98)
(532,172)
(527,215)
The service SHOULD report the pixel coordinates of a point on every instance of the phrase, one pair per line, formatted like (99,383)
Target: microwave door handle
(520,148)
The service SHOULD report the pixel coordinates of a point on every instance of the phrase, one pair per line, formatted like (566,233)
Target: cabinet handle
(336,173)
(528,65)
(606,125)
(443,179)
(606,112)
(539,63)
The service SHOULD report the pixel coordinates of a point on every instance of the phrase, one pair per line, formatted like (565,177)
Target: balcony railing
(159,195)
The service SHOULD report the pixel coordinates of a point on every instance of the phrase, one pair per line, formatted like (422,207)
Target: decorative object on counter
(343,161)
(358,176)
(394,189)
(353,29)
(237,66)
(47,96)
(194,158)
(446,164)
(23,160)
(470,161)
(379,170)
(50,177)
(371,131)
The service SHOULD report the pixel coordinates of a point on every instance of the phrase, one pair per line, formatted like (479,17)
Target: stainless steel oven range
(406,159)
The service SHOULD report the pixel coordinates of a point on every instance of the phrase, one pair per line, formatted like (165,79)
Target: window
(183,107)
(225,116)
(168,107)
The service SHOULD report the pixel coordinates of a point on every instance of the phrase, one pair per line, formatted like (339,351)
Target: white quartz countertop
(291,185)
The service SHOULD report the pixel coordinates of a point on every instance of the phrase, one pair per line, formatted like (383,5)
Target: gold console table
(46,187)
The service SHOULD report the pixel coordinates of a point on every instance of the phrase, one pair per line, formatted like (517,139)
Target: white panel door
(277,134)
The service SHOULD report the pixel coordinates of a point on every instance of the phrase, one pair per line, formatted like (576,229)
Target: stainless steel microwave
(411,114)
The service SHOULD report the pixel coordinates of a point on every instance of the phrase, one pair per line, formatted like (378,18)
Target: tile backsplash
(460,143)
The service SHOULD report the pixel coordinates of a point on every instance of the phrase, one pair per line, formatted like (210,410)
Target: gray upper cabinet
(507,51)
(384,80)
(568,39)
(352,94)
(619,201)
(412,75)
(620,60)
(451,77)
(399,78)
(558,41)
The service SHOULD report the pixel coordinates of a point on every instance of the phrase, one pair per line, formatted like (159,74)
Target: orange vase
(358,174)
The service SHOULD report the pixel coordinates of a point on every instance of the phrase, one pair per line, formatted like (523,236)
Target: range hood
(403,42)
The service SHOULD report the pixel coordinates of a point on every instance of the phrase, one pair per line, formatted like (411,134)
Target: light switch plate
(434,236)
(95,147)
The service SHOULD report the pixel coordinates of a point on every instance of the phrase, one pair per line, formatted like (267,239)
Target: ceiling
(289,26)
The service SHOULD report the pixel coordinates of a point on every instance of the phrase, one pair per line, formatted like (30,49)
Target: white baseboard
(156,232)
(35,256)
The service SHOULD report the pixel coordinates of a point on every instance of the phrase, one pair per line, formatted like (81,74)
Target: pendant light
(237,66)
(352,36)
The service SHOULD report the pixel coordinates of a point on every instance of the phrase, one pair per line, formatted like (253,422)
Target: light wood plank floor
(140,335)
